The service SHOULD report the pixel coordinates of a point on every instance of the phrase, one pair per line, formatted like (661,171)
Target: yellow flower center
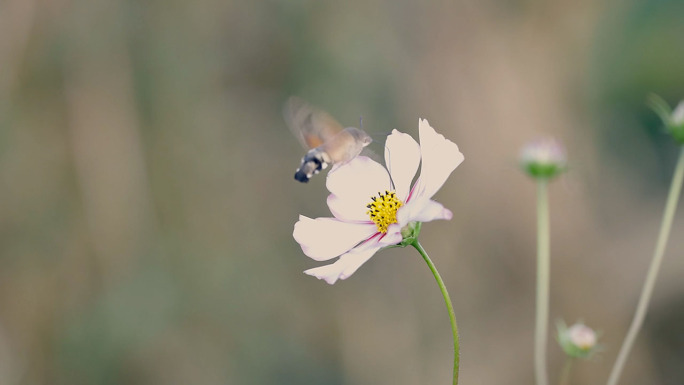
(383,210)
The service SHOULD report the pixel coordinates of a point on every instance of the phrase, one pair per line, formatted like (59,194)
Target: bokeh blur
(147,196)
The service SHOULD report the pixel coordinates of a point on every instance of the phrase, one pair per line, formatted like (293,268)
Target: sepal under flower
(410,233)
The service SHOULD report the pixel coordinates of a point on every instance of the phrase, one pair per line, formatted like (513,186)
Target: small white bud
(543,158)
(672,119)
(582,336)
(678,114)
(577,341)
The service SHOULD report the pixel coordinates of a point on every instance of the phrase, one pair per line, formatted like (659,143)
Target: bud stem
(565,372)
(642,307)
(543,267)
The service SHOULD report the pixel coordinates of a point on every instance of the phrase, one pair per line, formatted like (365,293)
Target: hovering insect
(325,139)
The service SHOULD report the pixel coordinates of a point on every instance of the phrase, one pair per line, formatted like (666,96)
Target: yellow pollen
(383,210)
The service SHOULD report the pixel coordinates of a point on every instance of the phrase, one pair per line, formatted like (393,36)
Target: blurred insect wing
(327,142)
(310,125)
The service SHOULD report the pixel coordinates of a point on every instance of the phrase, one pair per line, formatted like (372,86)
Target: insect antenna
(389,167)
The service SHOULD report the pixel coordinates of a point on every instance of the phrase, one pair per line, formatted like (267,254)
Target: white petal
(344,267)
(392,237)
(325,238)
(352,186)
(407,212)
(361,177)
(402,157)
(349,210)
(440,157)
(422,211)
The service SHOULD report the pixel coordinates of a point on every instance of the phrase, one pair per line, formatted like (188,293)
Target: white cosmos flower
(372,204)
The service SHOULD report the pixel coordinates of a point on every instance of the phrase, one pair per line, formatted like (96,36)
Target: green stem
(543,267)
(565,373)
(450,308)
(642,307)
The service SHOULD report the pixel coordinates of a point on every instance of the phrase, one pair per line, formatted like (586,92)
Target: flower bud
(673,120)
(543,158)
(578,341)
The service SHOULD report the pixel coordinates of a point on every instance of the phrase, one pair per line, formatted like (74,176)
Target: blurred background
(147,198)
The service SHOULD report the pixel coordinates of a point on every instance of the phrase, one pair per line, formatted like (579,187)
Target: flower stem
(450,308)
(542,317)
(565,373)
(642,307)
